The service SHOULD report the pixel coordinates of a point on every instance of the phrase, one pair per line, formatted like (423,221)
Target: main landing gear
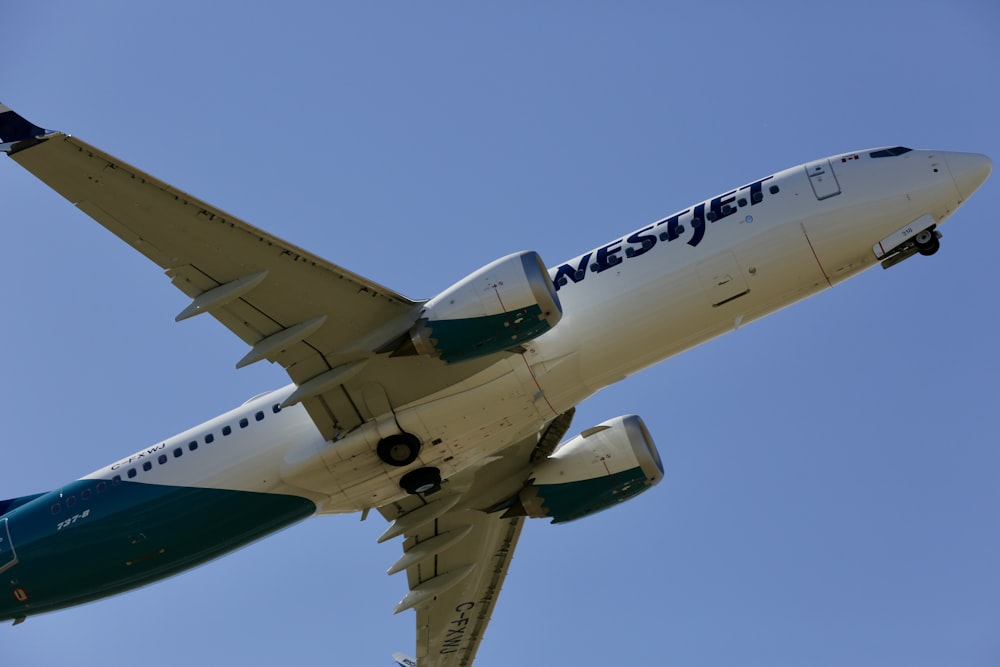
(421,480)
(399,449)
(402,449)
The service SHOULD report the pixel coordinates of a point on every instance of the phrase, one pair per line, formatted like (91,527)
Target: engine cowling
(602,467)
(505,303)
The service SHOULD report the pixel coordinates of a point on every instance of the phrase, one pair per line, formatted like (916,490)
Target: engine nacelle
(603,466)
(507,302)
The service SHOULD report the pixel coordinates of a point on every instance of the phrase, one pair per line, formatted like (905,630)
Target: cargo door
(722,279)
(7,556)
(822,179)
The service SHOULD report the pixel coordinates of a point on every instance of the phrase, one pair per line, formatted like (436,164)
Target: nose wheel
(928,242)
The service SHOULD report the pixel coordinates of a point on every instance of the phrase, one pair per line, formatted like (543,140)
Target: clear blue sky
(832,488)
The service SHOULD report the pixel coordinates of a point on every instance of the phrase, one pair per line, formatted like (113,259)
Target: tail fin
(404,660)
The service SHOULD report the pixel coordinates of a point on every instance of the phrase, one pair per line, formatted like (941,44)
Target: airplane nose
(969,170)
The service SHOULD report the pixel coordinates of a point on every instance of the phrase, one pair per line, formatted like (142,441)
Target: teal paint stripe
(472,337)
(574,500)
(128,535)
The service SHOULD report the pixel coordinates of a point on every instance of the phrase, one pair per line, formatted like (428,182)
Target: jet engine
(505,303)
(603,466)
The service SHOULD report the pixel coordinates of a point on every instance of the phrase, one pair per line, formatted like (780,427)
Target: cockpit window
(890,152)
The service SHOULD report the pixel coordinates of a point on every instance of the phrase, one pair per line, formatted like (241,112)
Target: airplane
(404,660)
(448,416)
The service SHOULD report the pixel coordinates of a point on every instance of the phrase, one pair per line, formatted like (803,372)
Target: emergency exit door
(822,179)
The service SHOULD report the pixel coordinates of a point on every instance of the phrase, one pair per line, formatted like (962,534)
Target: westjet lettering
(640,242)
(448,416)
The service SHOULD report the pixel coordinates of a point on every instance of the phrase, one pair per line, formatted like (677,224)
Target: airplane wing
(321,322)
(456,553)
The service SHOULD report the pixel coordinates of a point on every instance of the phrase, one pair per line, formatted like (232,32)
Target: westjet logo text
(668,229)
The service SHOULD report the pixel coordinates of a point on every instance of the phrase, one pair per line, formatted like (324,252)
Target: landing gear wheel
(399,450)
(421,480)
(927,242)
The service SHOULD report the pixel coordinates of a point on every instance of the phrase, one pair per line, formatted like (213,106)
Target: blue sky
(831,491)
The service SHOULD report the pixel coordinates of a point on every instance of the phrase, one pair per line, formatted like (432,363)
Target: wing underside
(455,565)
(321,322)
(456,553)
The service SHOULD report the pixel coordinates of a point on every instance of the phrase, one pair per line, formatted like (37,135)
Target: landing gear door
(7,556)
(822,179)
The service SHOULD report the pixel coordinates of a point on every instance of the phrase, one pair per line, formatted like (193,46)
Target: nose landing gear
(928,242)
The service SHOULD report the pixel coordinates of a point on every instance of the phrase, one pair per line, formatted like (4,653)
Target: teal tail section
(13,503)
(93,537)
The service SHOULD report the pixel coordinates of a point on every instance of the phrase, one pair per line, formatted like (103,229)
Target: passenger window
(71,501)
(116,480)
(774,189)
(244,422)
(131,472)
(147,466)
(259,416)
(162,459)
(276,408)
(85,494)
(193,445)
(102,487)
(56,507)
(209,438)
(226,430)
(178,452)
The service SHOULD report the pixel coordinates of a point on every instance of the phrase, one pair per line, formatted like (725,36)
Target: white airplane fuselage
(647,295)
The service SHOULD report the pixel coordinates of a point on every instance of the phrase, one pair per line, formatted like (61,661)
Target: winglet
(16,133)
